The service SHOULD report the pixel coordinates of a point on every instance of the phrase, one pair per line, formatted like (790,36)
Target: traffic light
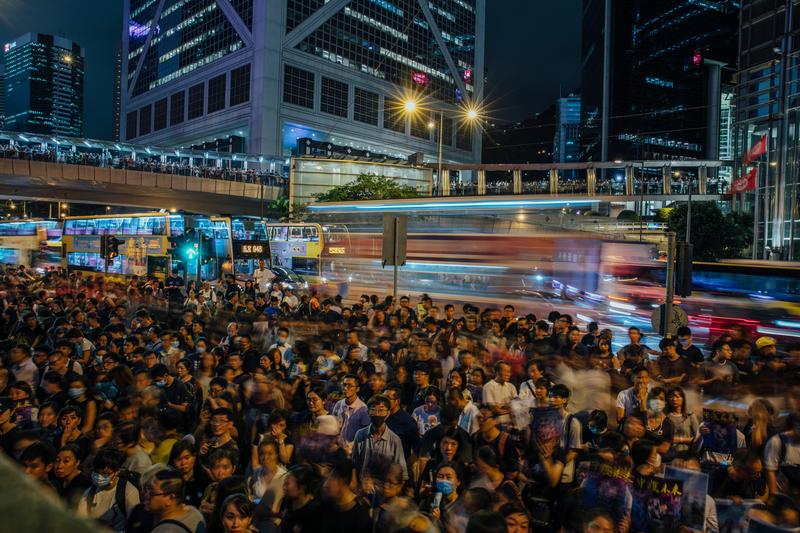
(189,245)
(683,270)
(206,248)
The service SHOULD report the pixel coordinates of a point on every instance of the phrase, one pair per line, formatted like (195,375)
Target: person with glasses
(376,443)
(351,411)
(164,498)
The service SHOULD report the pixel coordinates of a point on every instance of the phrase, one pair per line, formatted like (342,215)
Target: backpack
(125,476)
(176,523)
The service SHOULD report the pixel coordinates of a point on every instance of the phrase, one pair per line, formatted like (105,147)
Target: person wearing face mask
(110,498)
(377,441)
(688,350)
(450,513)
(78,393)
(175,393)
(657,426)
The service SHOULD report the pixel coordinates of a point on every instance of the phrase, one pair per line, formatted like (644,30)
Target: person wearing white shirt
(498,392)
(263,277)
(468,420)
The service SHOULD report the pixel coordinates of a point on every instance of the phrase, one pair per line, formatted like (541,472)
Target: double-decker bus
(33,243)
(148,244)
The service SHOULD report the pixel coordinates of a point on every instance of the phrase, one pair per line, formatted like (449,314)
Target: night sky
(532,47)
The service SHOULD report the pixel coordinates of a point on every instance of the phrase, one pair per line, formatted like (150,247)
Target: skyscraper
(667,61)
(44,85)
(567,140)
(2,98)
(258,75)
(117,96)
(766,104)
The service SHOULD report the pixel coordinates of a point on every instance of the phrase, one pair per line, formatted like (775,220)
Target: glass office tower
(259,75)
(44,85)
(767,102)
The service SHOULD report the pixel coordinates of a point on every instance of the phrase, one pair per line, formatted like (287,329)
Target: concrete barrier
(133,177)
(102,174)
(86,173)
(71,172)
(178,182)
(236,188)
(22,168)
(209,186)
(148,179)
(194,184)
(55,170)
(163,181)
(118,176)
(6,166)
(38,169)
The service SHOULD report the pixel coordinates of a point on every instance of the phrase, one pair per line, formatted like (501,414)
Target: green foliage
(662,215)
(278,209)
(368,187)
(628,215)
(714,234)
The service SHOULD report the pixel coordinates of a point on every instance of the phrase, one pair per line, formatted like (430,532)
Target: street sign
(395,229)
(678,319)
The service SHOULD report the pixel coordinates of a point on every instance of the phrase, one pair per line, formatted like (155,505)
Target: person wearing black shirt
(176,395)
(343,512)
(173,286)
(688,350)
(743,478)
(673,368)
(8,429)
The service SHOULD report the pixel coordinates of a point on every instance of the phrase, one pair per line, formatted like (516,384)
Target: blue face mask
(445,487)
(76,392)
(161,384)
(596,430)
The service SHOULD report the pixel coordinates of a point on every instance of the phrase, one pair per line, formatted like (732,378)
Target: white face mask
(656,406)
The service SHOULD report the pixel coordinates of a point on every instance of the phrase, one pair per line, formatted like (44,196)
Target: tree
(628,215)
(714,235)
(368,187)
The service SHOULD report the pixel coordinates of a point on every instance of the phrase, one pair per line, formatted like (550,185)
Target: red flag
(758,149)
(745,183)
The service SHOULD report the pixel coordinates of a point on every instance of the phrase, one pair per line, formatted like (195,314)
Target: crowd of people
(143,163)
(163,406)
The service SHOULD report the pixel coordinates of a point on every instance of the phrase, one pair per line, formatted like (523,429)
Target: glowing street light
(410,105)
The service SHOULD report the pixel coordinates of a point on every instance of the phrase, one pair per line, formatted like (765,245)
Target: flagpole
(766,196)
(756,212)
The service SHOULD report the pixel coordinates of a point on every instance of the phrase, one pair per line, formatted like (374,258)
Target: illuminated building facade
(767,102)
(44,85)
(668,61)
(258,75)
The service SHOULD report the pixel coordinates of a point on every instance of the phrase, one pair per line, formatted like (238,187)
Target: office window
(144,120)
(216,93)
(130,126)
(447,131)
(196,101)
(160,115)
(464,137)
(176,111)
(365,107)
(420,125)
(393,116)
(298,87)
(240,85)
(333,97)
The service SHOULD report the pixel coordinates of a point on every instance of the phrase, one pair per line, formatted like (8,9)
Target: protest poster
(693,502)
(721,434)
(732,518)
(656,506)
(607,486)
(546,424)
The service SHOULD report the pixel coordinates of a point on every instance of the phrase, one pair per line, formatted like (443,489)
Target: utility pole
(666,315)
